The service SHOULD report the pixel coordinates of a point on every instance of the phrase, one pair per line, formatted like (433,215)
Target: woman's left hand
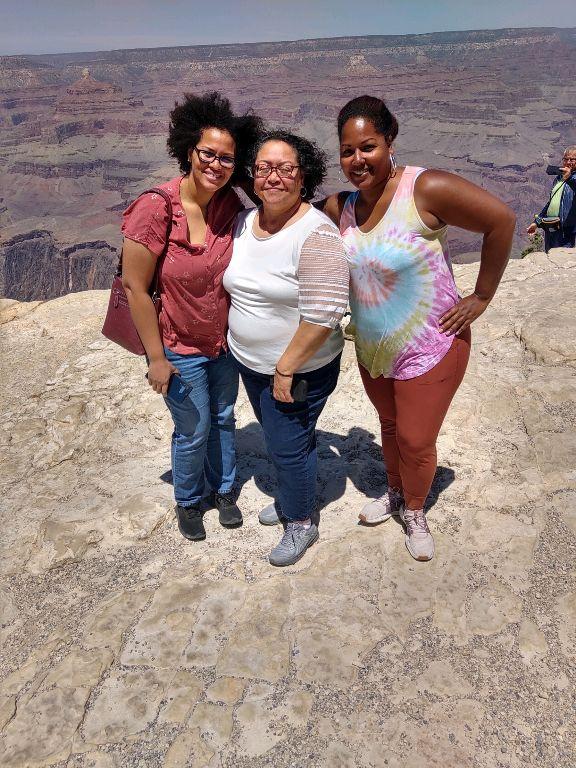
(462,314)
(282,387)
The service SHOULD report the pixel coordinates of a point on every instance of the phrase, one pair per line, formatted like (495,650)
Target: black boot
(190,522)
(228,513)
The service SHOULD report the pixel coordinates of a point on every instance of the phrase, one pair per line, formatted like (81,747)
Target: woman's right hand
(531,230)
(159,372)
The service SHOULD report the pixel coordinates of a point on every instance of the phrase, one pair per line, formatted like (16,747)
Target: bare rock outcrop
(124,644)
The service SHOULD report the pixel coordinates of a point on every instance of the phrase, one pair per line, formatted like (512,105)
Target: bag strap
(155,284)
(156,279)
(554,193)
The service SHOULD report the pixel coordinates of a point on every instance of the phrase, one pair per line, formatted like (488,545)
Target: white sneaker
(419,541)
(381,509)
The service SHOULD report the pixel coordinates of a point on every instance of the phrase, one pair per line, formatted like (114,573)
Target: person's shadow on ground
(354,455)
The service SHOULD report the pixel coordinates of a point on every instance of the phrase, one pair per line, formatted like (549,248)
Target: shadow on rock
(354,455)
(443,478)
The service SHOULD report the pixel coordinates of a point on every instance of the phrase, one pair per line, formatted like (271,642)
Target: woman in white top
(288,282)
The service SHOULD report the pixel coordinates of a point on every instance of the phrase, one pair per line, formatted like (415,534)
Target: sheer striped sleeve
(323,278)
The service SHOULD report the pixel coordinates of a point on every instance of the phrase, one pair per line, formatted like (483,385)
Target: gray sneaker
(293,544)
(271,515)
(419,541)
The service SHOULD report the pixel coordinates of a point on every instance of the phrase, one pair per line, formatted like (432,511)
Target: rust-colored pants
(411,413)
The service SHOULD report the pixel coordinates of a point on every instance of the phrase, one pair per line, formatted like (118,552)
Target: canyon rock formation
(123,644)
(82,134)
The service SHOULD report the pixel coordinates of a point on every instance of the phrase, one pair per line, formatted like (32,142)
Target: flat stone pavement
(122,644)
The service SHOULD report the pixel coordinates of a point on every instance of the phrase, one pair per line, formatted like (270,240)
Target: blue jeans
(203,441)
(290,434)
(558,238)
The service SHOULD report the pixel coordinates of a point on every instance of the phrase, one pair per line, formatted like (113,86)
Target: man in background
(558,217)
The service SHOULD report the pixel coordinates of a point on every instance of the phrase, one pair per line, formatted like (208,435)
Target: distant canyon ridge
(82,134)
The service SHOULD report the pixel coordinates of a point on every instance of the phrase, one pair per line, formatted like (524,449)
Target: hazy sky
(60,26)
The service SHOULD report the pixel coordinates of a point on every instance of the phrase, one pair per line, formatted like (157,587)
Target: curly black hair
(311,159)
(373,109)
(211,110)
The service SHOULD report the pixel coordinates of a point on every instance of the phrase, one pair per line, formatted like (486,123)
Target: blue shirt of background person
(564,186)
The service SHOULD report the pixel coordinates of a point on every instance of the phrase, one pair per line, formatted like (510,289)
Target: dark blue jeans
(290,434)
(558,238)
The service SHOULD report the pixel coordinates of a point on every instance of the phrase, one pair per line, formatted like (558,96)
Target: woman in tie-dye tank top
(411,328)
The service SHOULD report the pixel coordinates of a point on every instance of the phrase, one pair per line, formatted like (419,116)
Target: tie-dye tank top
(401,284)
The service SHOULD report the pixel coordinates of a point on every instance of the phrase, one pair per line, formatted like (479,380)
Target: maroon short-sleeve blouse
(194,314)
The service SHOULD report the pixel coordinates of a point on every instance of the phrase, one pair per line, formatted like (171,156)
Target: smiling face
(275,191)
(212,176)
(364,154)
(569,159)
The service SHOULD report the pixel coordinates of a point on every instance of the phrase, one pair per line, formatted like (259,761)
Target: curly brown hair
(311,159)
(212,110)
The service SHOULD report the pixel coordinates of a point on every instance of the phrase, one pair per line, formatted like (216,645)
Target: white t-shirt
(299,273)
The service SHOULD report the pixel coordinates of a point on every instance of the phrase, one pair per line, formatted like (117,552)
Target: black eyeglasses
(207,156)
(284,170)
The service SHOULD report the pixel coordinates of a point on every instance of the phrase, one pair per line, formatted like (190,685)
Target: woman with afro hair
(211,144)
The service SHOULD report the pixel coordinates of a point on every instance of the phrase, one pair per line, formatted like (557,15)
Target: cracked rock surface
(123,644)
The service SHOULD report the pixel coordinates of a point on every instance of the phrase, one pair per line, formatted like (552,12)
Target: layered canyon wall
(83,134)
